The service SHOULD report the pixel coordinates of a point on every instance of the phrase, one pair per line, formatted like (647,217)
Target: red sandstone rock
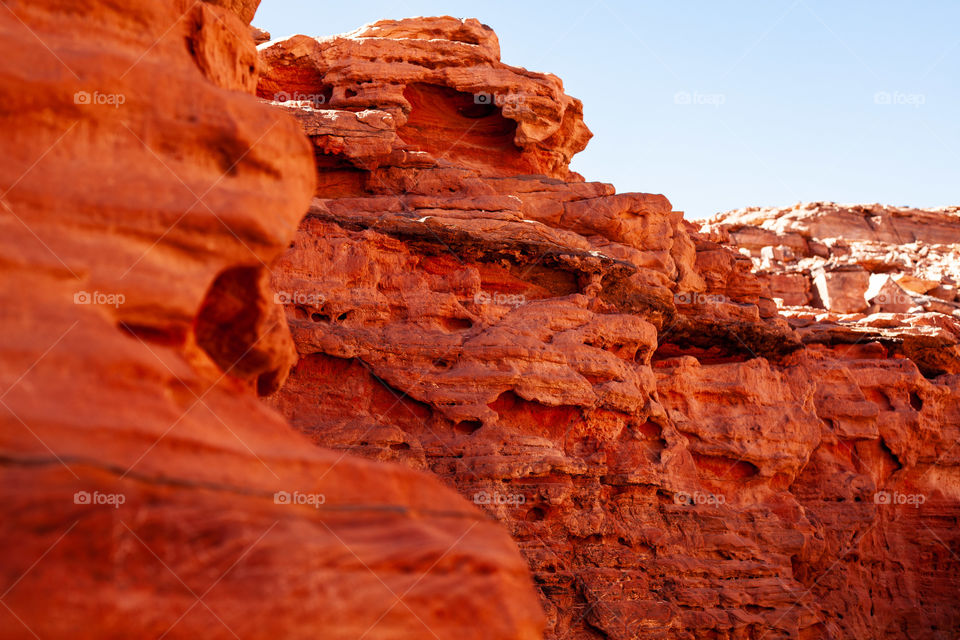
(143,197)
(614,385)
(842,291)
(442,82)
(902,261)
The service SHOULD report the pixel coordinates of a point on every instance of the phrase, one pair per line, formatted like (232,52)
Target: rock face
(858,274)
(430,86)
(674,458)
(146,492)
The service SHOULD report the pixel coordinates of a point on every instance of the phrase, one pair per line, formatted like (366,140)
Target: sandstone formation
(430,87)
(676,454)
(857,274)
(146,492)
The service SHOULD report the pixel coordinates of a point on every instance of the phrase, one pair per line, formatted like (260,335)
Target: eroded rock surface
(616,387)
(433,84)
(858,273)
(145,490)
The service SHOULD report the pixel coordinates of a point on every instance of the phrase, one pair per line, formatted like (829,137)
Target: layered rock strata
(145,490)
(674,459)
(858,273)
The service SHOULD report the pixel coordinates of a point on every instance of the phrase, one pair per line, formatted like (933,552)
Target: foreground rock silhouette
(675,456)
(145,491)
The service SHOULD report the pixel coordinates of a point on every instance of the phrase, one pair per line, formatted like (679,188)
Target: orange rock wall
(145,491)
(674,458)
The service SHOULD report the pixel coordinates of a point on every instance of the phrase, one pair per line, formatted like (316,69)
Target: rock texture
(858,274)
(145,491)
(675,456)
(430,87)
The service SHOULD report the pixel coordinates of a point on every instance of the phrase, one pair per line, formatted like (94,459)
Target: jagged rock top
(858,270)
(468,31)
(442,81)
(866,222)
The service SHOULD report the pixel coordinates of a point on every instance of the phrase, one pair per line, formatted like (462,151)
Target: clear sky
(720,105)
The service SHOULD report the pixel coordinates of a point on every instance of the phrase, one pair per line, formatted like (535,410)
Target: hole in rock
(227,325)
(336,177)
(467,427)
(269,382)
(916,401)
(649,429)
(665,497)
(320,317)
(400,446)
(712,355)
(484,137)
(443,363)
(456,324)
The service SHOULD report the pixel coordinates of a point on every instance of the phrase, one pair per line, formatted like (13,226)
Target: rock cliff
(739,429)
(146,492)
(860,273)
(676,453)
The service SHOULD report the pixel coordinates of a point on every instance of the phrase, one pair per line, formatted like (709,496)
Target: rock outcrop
(146,492)
(856,274)
(430,86)
(674,458)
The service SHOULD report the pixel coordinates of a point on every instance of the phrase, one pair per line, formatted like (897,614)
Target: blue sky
(720,105)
